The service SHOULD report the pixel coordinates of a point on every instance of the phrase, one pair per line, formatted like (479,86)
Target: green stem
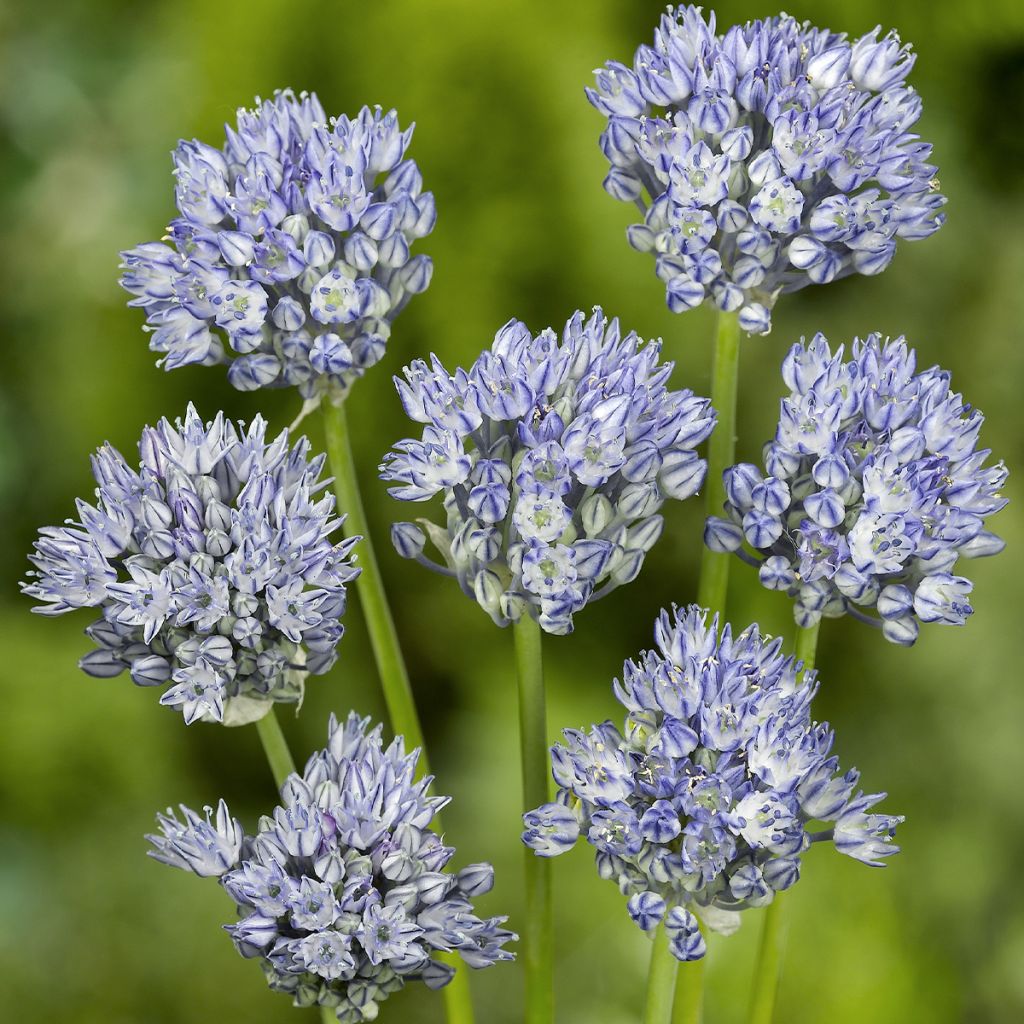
(383,637)
(387,651)
(807,645)
(769,964)
(537,938)
(773,938)
(689,1002)
(275,746)
(714,567)
(661,979)
(458,1001)
(713,586)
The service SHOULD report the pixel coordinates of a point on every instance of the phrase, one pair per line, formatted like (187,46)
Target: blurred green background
(92,97)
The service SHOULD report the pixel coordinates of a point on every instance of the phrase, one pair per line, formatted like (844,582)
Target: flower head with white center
(292,246)
(872,491)
(212,565)
(704,803)
(764,159)
(554,457)
(342,892)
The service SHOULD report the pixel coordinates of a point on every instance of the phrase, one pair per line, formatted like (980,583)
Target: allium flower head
(703,804)
(771,157)
(871,492)
(343,892)
(553,457)
(290,255)
(212,565)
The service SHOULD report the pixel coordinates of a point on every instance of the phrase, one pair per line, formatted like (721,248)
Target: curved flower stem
(714,567)
(275,746)
(689,1001)
(773,938)
(661,979)
(387,651)
(537,938)
(394,678)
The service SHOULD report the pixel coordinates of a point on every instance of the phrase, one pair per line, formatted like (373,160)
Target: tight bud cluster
(765,159)
(342,892)
(292,246)
(212,565)
(873,490)
(554,457)
(706,800)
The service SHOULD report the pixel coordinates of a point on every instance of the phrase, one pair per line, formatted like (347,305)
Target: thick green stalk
(773,938)
(394,678)
(689,1002)
(714,567)
(275,746)
(538,946)
(661,979)
(387,651)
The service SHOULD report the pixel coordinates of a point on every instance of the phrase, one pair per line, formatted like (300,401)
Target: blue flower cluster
(874,488)
(292,245)
(554,458)
(774,156)
(212,565)
(701,806)
(342,893)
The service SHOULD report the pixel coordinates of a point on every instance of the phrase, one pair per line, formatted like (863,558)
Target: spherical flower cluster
(553,458)
(212,565)
(702,805)
(292,245)
(774,156)
(342,893)
(874,487)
